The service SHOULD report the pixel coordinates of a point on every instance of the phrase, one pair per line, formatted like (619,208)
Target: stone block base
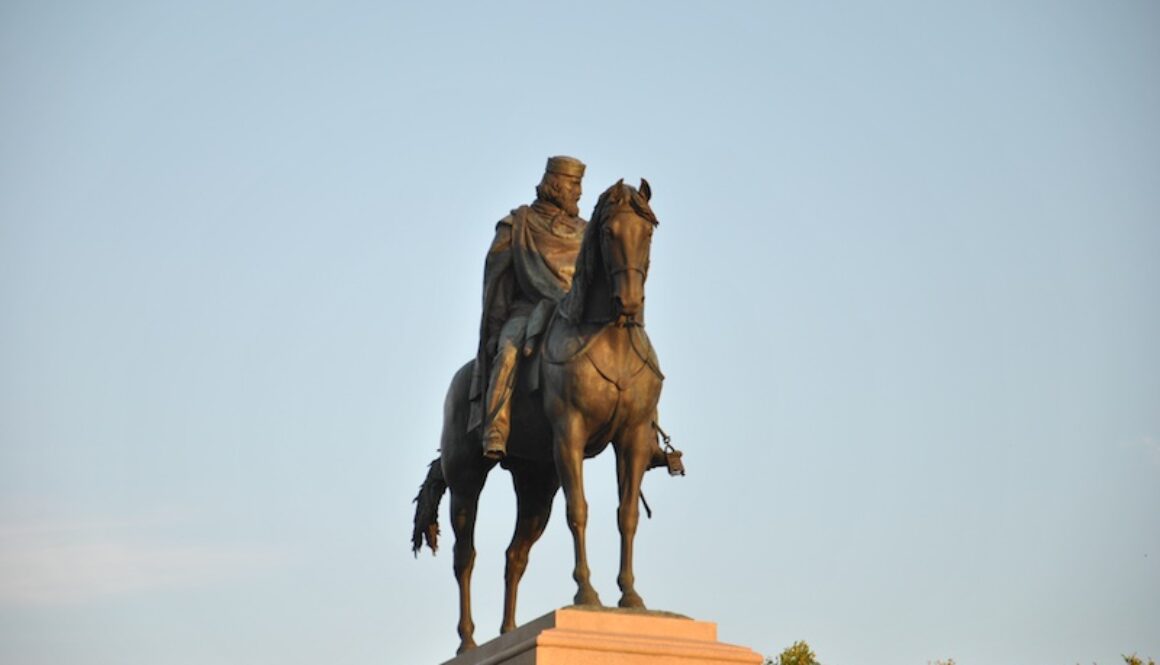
(576,636)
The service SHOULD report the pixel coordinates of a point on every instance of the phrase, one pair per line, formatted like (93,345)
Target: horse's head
(625,240)
(613,263)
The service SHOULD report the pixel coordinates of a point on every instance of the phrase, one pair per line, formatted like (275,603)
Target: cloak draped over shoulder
(531,259)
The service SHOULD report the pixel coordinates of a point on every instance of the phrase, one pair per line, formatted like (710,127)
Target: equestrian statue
(564,368)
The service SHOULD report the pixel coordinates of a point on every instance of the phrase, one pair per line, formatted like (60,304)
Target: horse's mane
(590,261)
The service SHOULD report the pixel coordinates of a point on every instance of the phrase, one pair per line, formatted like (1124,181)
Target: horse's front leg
(569,454)
(632,459)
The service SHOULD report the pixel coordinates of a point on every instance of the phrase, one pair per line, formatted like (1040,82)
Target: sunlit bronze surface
(593,381)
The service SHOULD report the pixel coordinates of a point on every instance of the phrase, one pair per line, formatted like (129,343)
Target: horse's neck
(607,338)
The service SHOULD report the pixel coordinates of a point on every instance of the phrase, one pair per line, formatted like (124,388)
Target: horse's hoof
(632,600)
(587,597)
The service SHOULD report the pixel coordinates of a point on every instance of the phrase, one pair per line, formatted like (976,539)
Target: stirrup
(672,456)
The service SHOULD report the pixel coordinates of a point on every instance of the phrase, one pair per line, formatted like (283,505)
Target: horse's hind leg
(464,505)
(536,486)
(632,459)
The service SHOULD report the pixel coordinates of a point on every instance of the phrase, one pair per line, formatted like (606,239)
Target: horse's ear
(645,189)
(614,191)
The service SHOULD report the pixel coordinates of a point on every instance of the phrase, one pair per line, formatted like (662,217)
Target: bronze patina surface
(591,380)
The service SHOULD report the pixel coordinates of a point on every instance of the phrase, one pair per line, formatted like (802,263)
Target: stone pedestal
(574,636)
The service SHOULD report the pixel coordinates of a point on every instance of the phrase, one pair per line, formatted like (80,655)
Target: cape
(532,259)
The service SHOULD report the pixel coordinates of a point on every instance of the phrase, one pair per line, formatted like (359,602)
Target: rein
(544,354)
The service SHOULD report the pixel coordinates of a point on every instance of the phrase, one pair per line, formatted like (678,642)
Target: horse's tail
(427,509)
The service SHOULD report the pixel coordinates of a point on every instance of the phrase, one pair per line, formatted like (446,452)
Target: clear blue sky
(906,289)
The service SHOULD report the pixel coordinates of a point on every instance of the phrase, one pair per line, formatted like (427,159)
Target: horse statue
(598,383)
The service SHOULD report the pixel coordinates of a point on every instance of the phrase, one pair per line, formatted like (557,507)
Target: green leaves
(799,653)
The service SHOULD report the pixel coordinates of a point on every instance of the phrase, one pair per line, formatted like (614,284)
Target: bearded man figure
(528,270)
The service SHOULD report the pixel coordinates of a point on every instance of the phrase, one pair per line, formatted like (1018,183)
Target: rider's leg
(503,380)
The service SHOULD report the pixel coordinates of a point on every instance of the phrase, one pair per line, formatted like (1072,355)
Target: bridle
(642,271)
(612,272)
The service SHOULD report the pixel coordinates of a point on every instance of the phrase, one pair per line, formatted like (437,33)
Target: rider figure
(529,265)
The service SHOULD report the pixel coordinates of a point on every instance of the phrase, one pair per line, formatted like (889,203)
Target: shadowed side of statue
(594,381)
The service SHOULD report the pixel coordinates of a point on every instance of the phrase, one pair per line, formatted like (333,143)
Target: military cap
(564,165)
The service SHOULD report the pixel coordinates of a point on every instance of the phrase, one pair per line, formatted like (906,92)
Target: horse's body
(599,384)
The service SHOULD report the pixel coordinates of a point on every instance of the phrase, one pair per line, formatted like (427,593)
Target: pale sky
(906,291)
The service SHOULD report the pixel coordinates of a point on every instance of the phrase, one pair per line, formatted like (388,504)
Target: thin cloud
(79,562)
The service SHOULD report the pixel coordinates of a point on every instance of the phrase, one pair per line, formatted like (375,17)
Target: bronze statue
(593,380)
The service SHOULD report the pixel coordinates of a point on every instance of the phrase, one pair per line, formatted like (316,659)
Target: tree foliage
(798,653)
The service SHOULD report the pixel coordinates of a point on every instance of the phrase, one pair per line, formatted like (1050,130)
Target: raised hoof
(632,600)
(587,597)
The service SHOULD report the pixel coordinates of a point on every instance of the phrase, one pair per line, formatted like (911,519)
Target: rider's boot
(498,423)
(495,445)
(495,434)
